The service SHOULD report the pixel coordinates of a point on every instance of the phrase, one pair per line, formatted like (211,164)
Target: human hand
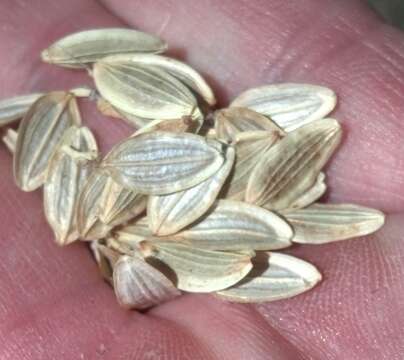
(53,303)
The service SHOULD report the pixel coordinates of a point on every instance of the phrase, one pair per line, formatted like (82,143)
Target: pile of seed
(194,200)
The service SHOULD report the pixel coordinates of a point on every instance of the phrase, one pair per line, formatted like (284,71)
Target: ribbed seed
(234,226)
(323,223)
(197,270)
(69,169)
(79,49)
(289,105)
(273,277)
(39,135)
(292,165)
(160,162)
(142,91)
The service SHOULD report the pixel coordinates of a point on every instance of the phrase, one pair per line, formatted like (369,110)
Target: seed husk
(159,163)
(311,195)
(39,135)
(15,108)
(119,204)
(323,223)
(139,286)
(235,120)
(198,270)
(251,147)
(274,277)
(142,91)
(10,140)
(170,213)
(292,165)
(289,105)
(69,167)
(89,207)
(178,69)
(235,226)
(81,48)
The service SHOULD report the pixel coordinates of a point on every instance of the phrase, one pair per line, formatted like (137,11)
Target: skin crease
(53,304)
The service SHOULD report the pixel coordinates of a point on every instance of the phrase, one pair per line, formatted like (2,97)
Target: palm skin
(53,304)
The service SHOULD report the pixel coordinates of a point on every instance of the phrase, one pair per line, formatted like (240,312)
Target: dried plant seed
(323,223)
(159,163)
(178,69)
(289,105)
(145,92)
(68,172)
(39,135)
(292,165)
(198,270)
(274,277)
(84,47)
(139,286)
(234,226)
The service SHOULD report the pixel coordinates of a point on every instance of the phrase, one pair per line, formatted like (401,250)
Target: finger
(242,44)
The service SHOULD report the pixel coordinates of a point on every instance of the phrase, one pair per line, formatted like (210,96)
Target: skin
(53,304)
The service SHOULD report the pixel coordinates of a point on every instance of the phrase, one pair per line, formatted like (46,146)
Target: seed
(89,207)
(289,105)
(139,286)
(323,223)
(160,162)
(39,135)
(274,276)
(105,258)
(234,226)
(170,213)
(67,174)
(78,49)
(292,165)
(178,69)
(197,270)
(145,92)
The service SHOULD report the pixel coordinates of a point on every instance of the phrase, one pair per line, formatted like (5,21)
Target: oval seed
(198,270)
(67,174)
(39,135)
(161,163)
(323,223)
(233,226)
(143,91)
(289,105)
(80,48)
(292,165)
(274,276)
(178,69)
(138,285)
